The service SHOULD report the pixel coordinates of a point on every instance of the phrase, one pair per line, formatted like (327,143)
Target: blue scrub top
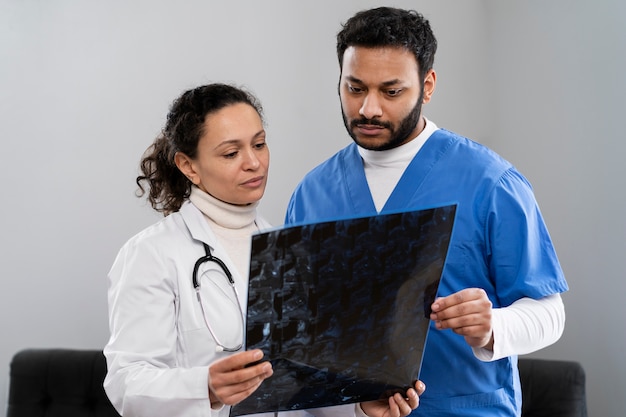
(499,243)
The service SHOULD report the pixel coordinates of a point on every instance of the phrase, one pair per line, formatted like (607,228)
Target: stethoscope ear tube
(210,258)
(194,275)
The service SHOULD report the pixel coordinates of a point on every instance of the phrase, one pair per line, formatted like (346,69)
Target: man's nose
(371,107)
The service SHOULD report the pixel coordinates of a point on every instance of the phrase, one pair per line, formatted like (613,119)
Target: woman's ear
(185,165)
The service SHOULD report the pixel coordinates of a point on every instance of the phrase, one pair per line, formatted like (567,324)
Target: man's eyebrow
(383,84)
(353,79)
(391,82)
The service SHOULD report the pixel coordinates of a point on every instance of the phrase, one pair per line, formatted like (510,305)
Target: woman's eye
(230,155)
(260,145)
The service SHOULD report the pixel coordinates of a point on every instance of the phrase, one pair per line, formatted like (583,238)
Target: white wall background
(86,85)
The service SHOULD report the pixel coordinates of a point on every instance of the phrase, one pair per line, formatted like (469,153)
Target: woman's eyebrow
(237,141)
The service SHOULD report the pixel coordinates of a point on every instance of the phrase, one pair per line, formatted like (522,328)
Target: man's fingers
(420,387)
(466,312)
(464,296)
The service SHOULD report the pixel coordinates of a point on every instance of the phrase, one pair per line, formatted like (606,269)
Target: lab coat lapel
(197,225)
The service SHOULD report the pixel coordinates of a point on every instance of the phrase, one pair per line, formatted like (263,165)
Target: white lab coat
(160,348)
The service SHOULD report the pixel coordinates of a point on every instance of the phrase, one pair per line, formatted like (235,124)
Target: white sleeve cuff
(524,327)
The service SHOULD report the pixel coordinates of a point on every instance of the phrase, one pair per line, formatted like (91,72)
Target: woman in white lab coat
(176,322)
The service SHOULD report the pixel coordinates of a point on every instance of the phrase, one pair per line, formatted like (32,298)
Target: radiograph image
(341,309)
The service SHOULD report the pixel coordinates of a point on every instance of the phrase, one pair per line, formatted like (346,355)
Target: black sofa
(68,383)
(552,388)
(58,383)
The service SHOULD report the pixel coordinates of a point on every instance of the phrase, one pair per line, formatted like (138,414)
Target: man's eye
(394,92)
(354,89)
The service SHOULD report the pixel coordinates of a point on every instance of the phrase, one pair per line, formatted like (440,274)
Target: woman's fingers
(233,379)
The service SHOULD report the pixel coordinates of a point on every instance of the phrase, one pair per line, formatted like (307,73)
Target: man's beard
(397,138)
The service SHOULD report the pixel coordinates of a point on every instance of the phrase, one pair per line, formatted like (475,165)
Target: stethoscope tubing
(220,347)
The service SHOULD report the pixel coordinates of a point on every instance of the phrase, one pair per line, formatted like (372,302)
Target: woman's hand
(230,381)
(395,406)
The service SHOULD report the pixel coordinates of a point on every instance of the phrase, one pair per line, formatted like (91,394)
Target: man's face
(381,96)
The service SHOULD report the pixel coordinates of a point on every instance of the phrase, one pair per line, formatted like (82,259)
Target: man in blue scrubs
(499,295)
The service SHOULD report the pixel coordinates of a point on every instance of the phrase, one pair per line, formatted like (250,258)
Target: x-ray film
(341,308)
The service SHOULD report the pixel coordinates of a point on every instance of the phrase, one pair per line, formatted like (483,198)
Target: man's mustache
(371,122)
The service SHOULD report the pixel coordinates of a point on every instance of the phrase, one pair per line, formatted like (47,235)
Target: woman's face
(232,161)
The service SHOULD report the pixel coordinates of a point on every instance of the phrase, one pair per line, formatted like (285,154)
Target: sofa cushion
(58,383)
(552,388)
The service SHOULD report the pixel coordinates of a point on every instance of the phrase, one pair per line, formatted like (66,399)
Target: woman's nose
(251,160)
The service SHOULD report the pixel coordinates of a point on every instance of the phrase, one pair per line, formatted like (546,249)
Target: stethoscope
(219,347)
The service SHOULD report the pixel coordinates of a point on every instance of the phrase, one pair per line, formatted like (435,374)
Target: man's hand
(230,381)
(396,405)
(468,313)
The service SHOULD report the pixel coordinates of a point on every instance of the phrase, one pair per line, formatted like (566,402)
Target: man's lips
(370,130)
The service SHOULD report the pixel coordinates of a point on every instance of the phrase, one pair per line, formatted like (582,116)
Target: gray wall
(85,86)
(558,68)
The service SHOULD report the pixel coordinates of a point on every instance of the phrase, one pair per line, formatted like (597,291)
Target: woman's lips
(254,182)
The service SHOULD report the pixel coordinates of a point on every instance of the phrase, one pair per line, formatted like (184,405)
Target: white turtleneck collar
(223,214)
(383,169)
(233,225)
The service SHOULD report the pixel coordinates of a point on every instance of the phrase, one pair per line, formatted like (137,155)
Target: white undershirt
(233,225)
(525,326)
(384,169)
